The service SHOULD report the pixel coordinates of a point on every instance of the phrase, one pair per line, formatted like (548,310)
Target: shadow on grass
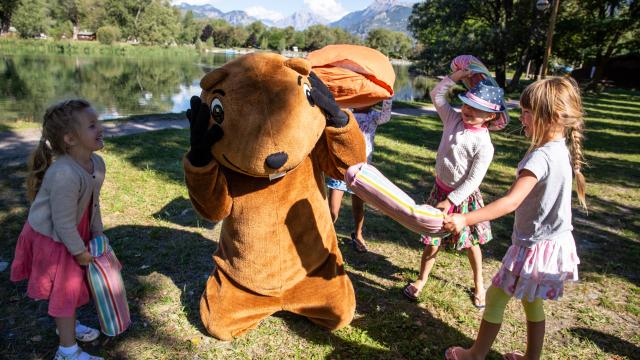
(387,326)
(608,343)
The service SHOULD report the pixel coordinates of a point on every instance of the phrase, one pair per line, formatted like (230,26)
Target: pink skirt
(52,271)
(539,271)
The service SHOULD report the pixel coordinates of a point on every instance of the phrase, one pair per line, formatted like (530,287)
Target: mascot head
(263,104)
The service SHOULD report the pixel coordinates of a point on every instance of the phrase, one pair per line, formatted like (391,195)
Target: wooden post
(547,52)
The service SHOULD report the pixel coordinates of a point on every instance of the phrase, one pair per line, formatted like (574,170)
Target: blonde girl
(64,215)
(543,252)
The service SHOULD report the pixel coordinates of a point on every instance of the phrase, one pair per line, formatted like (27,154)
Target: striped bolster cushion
(375,189)
(107,288)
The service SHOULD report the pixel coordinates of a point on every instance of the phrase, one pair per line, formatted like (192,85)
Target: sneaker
(84,333)
(78,355)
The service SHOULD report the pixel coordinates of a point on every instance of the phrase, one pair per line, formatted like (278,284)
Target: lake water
(118,86)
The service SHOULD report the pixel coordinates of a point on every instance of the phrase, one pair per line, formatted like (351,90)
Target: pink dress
(52,271)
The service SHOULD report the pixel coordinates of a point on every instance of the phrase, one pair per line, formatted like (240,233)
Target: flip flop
(452,353)
(476,303)
(357,245)
(410,295)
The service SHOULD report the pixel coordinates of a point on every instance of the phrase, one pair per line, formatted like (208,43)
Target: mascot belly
(261,142)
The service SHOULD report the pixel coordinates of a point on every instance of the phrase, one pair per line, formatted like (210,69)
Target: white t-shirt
(545,214)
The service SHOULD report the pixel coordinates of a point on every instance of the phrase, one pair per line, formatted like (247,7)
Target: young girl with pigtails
(65,177)
(543,255)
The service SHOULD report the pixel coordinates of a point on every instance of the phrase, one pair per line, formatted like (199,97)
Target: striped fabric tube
(107,288)
(375,189)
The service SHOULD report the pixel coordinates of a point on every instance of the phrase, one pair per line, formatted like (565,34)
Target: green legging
(496,302)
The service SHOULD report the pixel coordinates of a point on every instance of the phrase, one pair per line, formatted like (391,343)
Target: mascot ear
(302,66)
(212,78)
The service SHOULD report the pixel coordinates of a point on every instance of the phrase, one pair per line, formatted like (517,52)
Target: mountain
(388,14)
(201,11)
(235,17)
(301,20)
(238,17)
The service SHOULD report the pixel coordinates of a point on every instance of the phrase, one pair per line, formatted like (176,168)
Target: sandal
(516,355)
(477,303)
(409,294)
(357,245)
(452,353)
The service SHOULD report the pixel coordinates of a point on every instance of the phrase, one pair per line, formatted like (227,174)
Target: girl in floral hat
(464,155)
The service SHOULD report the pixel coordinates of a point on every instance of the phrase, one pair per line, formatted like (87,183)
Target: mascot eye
(217,111)
(307,92)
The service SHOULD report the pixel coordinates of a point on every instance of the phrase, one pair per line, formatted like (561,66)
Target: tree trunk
(602,60)
(75,32)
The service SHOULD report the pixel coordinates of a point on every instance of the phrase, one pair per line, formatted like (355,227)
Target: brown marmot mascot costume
(264,131)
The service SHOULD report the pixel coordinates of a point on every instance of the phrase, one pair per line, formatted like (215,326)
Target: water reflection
(118,86)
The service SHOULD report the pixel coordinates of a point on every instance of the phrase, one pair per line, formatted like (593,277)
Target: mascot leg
(325,296)
(228,311)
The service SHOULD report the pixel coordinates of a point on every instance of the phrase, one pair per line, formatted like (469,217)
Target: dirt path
(16,145)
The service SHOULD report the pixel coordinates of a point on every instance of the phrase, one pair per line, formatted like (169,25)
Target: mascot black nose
(275,161)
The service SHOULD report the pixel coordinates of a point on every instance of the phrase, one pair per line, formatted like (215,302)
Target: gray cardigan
(62,199)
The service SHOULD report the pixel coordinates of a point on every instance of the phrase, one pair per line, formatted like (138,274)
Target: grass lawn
(166,251)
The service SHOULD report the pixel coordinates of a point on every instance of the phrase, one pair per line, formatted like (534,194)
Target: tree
(31,18)
(207,31)
(158,23)
(488,29)
(108,34)
(189,29)
(7,7)
(69,10)
(596,30)
(252,41)
(318,36)
(381,40)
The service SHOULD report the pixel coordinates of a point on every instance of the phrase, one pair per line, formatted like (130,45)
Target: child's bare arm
(439,92)
(503,206)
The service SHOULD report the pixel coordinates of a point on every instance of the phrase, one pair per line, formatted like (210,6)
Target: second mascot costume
(264,131)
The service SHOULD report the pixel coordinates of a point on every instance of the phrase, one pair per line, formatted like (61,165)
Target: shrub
(108,34)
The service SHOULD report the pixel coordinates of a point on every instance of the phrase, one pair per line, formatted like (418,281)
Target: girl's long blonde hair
(556,103)
(59,120)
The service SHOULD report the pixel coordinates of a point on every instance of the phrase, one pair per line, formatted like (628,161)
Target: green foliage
(158,24)
(31,18)
(391,43)
(593,31)
(498,33)
(7,7)
(62,30)
(108,34)
(190,30)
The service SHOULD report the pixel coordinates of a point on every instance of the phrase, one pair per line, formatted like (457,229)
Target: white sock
(68,350)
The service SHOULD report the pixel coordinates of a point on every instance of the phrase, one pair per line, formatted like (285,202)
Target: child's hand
(84,258)
(444,205)
(460,74)
(454,223)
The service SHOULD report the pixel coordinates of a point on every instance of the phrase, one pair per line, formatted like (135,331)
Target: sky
(278,9)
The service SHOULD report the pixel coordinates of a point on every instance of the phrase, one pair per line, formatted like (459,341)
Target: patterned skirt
(337,185)
(478,234)
(539,271)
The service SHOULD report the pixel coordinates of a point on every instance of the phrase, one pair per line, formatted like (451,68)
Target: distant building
(86,35)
